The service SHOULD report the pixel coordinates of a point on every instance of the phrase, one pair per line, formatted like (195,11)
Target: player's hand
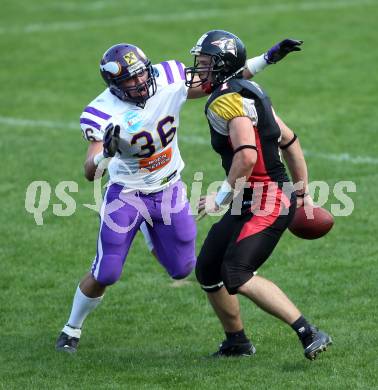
(282,49)
(111,140)
(207,205)
(306,201)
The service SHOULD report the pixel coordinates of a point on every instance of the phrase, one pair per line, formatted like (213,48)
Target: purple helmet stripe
(168,72)
(181,69)
(96,112)
(86,121)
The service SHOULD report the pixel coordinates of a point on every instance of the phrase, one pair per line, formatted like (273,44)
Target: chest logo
(132,121)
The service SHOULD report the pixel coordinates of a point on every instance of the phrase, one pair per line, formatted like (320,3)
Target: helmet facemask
(212,75)
(207,75)
(138,93)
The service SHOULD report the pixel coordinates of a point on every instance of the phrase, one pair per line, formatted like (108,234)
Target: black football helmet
(228,55)
(124,61)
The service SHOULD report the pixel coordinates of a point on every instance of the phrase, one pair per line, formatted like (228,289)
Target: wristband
(224,195)
(302,195)
(98,158)
(256,64)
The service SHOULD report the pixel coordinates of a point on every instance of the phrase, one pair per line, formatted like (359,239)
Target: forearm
(90,169)
(296,163)
(95,164)
(254,65)
(243,141)
(235,181)
(238,175)
(241,169)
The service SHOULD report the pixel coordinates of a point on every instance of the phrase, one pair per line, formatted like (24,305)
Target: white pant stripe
(220,284)
(95,271)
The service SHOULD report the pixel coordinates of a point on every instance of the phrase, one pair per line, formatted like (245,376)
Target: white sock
(81,307)
(73,332)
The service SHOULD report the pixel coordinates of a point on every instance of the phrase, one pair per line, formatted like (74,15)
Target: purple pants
(169,222)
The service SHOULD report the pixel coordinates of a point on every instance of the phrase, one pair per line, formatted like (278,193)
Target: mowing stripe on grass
(183,16)
(192,139)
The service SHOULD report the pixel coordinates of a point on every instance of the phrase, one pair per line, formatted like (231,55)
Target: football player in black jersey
(247,134)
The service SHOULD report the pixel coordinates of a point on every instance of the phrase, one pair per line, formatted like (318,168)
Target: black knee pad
(235,276)
(208,278)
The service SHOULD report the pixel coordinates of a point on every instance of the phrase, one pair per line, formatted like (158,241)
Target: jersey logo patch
(157,161)
(132,121)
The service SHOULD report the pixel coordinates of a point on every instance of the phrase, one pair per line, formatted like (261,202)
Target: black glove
(281,49)
(111,140)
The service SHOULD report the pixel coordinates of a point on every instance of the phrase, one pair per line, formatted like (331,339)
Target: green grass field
(149,333)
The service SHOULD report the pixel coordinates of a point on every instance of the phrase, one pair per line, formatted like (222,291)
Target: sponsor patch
(132,121)
(130,58)
(157,161)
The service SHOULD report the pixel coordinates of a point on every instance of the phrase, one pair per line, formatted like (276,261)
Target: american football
(311,223)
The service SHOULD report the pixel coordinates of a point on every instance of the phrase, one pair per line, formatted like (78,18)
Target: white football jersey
(149,158)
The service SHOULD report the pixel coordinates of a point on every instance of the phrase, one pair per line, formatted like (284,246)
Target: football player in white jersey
(134,123)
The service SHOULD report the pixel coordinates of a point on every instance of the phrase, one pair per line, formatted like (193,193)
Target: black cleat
(319,341)
(66,343)
(232,349)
